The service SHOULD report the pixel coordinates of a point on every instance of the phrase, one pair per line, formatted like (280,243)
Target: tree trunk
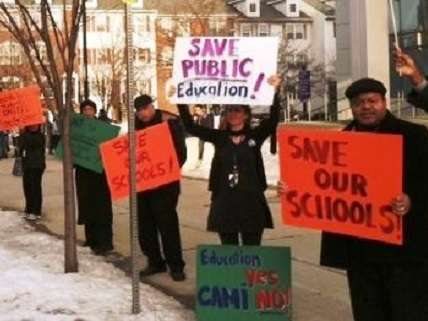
(70,255)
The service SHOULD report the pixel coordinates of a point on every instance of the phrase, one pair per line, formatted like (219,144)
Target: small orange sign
(20,107)
(157,162)
(342,182)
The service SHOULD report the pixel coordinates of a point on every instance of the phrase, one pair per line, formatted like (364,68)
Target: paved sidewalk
(319,294)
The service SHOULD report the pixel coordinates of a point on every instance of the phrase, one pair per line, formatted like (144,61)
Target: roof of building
(268,13)
(202,7)
(210,7)
(322,7)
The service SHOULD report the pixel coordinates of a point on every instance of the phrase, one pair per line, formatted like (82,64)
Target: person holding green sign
(94,200)
(237,180)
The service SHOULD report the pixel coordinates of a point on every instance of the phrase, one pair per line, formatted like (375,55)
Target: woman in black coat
(32,149)
(237,178)
(94,201)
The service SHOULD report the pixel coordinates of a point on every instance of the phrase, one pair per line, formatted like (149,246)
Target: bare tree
(187,18)
(54,73)
(290,61)
(109,73)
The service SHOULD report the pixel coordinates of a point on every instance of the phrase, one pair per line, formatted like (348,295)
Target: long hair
(223,120)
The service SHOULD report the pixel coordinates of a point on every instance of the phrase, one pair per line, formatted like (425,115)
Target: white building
(106,50)
(308,31)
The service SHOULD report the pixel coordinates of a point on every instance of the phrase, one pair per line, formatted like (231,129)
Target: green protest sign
(243,283)
(86,136)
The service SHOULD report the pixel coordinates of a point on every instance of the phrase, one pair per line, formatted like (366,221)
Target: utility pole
(133,221)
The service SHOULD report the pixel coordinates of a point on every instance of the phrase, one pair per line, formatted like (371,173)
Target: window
(102,23)
(302,59)
(289,30)
(108,28)
(293,8)
(300,31)
(290,59)
(264,30)
(41,47)
(217,26)
(334,29)
(10,53)
(139,24)
(144,55)
(148,22)
(253,7)
(296,31)
(90,23)
(246,30)
(15,53)
(92,56)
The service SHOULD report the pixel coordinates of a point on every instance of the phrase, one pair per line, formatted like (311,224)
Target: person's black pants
(389,292)
(201,149)
(99,236)
(248,238)
(54,143)
(157,216)
(32,181)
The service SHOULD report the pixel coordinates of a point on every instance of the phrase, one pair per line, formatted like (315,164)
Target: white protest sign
(224,70)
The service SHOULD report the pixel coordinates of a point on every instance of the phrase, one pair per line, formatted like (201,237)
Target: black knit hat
(142,101)
(365,85)
(87,102)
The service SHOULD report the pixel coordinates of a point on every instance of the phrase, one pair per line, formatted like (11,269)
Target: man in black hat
(388,282)
(157,212)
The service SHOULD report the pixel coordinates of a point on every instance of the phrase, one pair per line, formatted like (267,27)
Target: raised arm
(204,133)
(268,126)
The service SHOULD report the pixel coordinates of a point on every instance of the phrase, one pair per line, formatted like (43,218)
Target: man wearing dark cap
(388,282)
(157,214)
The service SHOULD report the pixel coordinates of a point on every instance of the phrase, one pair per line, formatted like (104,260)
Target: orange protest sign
(20,107)
(342,182)
(157,162)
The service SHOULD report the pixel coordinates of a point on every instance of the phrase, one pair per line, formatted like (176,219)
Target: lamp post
(85,52)
(133,221)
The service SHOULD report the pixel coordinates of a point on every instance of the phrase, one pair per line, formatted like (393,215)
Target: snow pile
(34,287)
(192,168)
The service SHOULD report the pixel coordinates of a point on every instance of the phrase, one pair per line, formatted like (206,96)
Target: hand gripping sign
(157,162)
(342,182)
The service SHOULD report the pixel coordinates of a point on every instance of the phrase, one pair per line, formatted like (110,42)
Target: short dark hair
(87,102)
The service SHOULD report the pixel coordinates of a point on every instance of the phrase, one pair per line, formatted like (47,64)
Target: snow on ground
(192,169)
(34,287)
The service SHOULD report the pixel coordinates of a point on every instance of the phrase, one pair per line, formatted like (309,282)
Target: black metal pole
(85,53)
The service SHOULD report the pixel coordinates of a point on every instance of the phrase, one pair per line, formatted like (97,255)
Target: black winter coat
(178,138)
(341,251)
(94,198)
(419,99)
(32,148)
(219,138)
(232,213)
